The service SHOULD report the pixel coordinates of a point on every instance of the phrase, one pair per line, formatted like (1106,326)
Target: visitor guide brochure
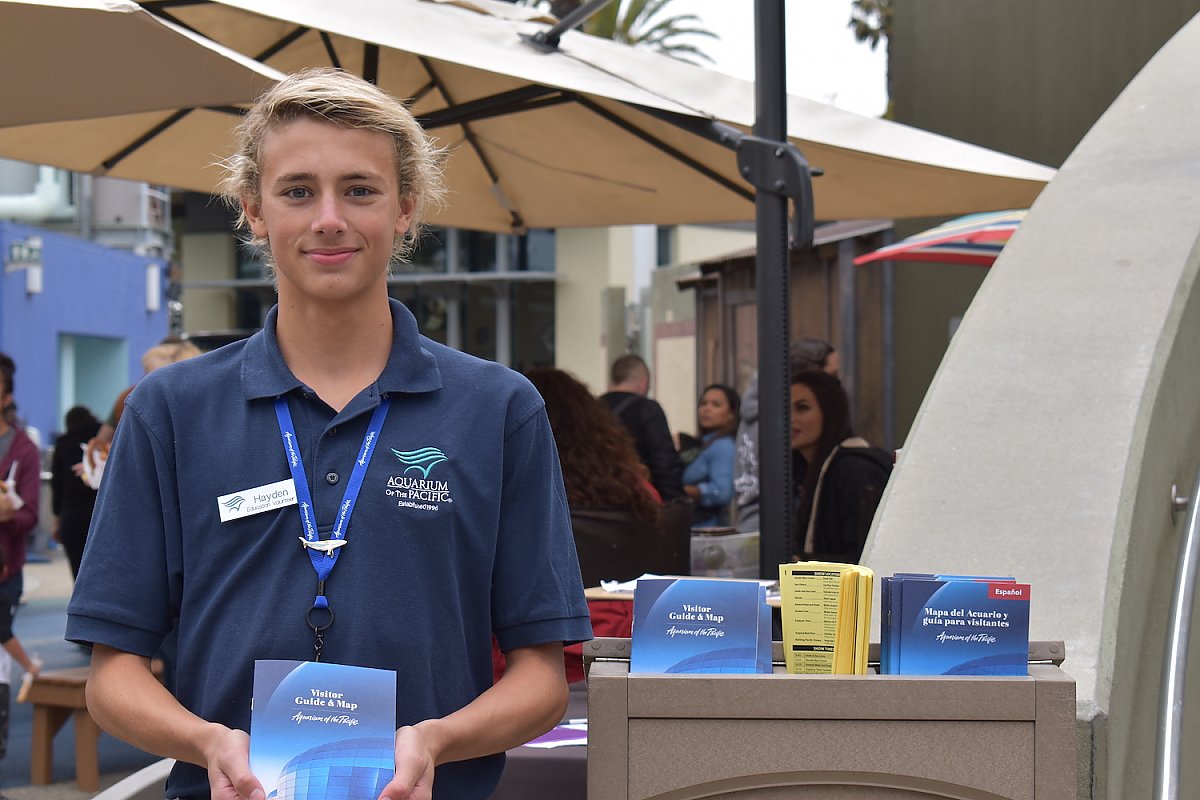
(693,625)
(825,611)
(954,625)
(322,730)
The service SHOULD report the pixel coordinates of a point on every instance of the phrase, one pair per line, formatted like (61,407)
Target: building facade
(1024,77)
(76,317)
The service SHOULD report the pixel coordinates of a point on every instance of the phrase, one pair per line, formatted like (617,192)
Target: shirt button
(331,478)
(333,431)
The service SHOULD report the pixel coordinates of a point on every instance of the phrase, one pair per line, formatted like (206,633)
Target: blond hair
(347,101)
(168,353)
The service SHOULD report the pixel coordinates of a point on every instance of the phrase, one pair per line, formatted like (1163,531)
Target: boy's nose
(329,217)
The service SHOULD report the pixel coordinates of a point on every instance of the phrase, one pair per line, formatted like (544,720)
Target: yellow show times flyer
(825,609)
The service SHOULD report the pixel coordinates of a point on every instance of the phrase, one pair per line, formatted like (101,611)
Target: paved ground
(39,625)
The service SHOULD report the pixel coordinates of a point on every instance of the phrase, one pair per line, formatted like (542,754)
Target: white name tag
(257,500)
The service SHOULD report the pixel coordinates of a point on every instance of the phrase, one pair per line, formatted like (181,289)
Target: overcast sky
(824,61)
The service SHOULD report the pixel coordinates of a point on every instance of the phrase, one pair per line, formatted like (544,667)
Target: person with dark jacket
(72,500)
(629,381)
(843,477)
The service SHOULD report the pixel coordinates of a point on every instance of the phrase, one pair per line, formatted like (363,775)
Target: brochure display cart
(853,737)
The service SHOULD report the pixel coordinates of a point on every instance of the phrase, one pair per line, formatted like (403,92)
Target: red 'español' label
(1008,591)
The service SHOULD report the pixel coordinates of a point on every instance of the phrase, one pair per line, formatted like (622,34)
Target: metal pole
(1169,744)
(774,426)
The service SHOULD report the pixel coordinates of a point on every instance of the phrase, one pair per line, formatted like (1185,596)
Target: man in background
(629,382)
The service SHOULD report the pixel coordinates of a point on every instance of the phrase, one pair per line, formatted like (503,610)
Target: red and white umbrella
(975,239)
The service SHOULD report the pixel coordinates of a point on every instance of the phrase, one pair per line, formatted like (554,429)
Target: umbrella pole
(774,426)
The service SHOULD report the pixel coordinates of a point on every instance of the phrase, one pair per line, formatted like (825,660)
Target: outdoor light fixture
(33,279)
(26,255)
(153,286)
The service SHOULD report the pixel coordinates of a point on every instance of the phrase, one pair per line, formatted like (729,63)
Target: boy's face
(330,208)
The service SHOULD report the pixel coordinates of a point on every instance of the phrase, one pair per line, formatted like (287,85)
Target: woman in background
(169,351)
(621,527)
(806,353)
(71,499)
(841,476)
(600,465)
(20,483)
(708,477)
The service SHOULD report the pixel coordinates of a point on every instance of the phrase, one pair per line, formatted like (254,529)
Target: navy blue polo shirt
(435,562)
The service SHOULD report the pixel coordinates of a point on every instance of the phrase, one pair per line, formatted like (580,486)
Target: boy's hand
(229,776)
(414,768)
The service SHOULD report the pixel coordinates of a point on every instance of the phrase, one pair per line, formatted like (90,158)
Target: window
(666,250)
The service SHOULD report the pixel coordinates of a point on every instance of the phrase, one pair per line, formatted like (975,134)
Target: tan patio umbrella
(575,137)
(70,59)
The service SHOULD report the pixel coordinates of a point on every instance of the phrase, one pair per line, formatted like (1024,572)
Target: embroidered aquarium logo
(419,491)
(234,503)
(422,460)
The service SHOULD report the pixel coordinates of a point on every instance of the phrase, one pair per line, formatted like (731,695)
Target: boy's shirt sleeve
(537,592)
(124,594)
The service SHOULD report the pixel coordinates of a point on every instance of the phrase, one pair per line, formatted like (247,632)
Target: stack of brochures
(954,625)
(696,625)
(825,609)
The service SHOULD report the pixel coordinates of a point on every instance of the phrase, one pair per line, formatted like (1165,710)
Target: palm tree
(871,20)
(640,23)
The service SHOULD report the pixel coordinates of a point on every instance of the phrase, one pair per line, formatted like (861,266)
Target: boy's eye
(296,193)
(361,191)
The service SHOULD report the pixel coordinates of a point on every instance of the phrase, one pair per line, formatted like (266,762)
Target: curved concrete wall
(1067,406)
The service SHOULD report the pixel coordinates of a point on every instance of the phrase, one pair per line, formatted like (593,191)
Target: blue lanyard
(324,554)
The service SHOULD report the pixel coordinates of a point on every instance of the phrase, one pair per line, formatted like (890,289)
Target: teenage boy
(458,527)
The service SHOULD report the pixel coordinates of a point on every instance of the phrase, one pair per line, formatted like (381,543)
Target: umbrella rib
(486,107)
(370,62)
(438,121)
(469,136)
(654,141)
(282,43)
(162,13)
(330,50)
(419,95)
(159,9)
(124,152)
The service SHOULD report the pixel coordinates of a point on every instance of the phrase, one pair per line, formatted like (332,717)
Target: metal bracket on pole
(547,40)
(776,167)
(780,168)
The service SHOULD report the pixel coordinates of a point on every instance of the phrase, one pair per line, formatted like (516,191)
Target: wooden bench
(56,695)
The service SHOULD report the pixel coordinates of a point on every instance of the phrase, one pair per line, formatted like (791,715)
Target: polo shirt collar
(410,367)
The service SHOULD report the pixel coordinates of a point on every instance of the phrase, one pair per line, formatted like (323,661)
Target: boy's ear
(252,210)
(408,207)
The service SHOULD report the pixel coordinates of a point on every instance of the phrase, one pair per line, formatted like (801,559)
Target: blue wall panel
(87,290)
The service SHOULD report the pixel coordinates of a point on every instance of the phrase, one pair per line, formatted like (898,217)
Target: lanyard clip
(319,625)
(326,546)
